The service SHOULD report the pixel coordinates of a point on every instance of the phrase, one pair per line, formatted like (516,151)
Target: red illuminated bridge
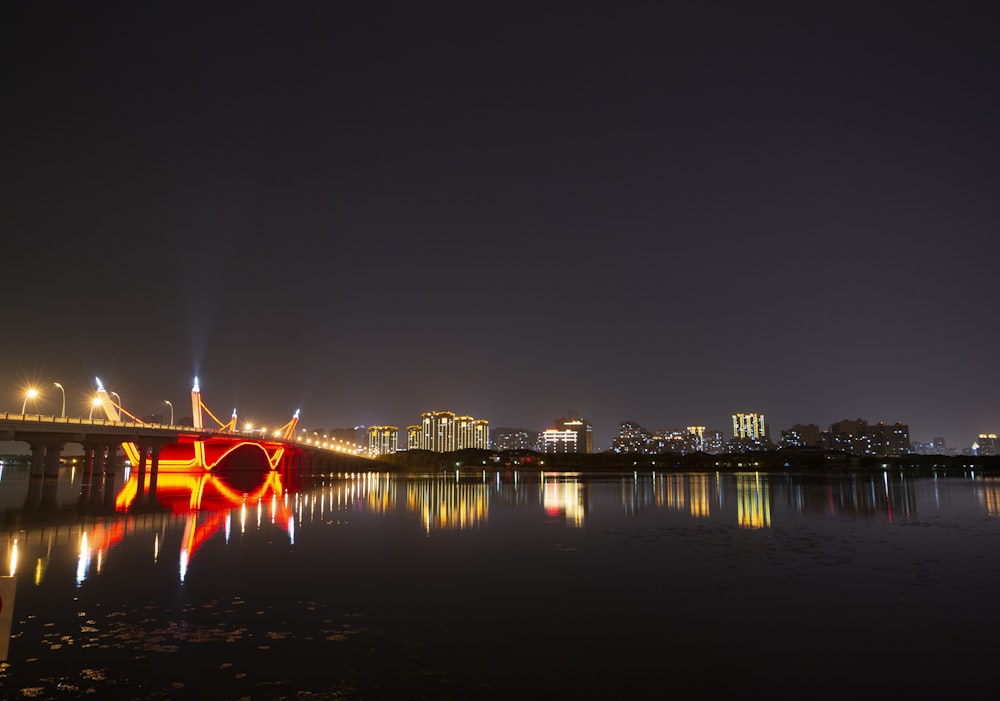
(198,454)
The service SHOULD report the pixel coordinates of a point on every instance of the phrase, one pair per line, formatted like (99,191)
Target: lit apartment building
(413,437)
(698,436)
(749,426)
(986,445)
(382,440)
(631,438)
(472,433)
(714,442)
(800,436)
(584,432)
(890,440)
(858,437)
(443,432)
(515,439)
(552,440)
(437,431)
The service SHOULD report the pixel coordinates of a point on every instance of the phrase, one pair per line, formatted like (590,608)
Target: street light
(63,415)
(31,394)
(93,405)
(167,402)
(119,398)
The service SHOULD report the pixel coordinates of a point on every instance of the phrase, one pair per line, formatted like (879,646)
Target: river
(503,585)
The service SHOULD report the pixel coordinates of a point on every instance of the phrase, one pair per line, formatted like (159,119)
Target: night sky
(662,212)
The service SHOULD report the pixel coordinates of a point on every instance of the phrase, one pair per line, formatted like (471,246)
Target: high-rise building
(382,440)
(514,439)
(858,437)
(471,433)
(698,435)
(889,440)
(583,429)
(715,441)
(987,444)
(554,440)
(672,440)
(631,438)
(749,426)
(800,436)
(414,437)
(361,435)
(443,432)
(437,431)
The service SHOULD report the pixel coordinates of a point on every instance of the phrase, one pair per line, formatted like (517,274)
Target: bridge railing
(76,421)
(80,421)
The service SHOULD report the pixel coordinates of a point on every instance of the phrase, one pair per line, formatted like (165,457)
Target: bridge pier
(154,469)
(140,474)
(37,458)
(148,449)
(99,470)
(86,481)
(52,453)
(42,492)
(293,464)
(45,458)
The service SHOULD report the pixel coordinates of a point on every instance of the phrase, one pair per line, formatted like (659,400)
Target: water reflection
(989,495)
(244,578)
(563,496)
(751,498)
(205,505)
(753,502)
(445,503)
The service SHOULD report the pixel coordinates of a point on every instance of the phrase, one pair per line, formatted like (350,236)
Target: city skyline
(36,399)
(655,212)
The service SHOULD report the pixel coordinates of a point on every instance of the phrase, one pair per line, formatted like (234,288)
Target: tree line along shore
(779,460)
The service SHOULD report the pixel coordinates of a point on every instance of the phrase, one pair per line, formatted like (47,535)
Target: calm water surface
(504,585)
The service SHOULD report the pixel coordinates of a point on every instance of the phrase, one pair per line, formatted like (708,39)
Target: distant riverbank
(763,461)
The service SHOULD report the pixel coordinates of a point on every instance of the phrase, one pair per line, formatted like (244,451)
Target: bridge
(185,452)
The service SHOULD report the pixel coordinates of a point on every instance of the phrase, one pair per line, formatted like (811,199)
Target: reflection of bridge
(93,539)
(156,450)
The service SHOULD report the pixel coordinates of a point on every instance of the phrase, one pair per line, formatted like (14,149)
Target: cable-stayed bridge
(150,451)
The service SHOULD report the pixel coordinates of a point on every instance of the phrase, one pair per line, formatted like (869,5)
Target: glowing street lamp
(93,405)
(61,389)
(167,402)
(119,398)
(31,394)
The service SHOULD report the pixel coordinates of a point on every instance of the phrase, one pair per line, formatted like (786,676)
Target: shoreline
(782,460)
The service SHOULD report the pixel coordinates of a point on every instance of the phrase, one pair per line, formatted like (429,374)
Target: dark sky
(662,212)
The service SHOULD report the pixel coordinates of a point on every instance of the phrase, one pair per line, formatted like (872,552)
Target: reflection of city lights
(753,502)
(156,547)
(83,563)
(442,504)
(989,495)
(13,558)
(564,497)
(700,502)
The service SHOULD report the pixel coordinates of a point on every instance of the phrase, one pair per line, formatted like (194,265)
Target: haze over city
(657,212)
